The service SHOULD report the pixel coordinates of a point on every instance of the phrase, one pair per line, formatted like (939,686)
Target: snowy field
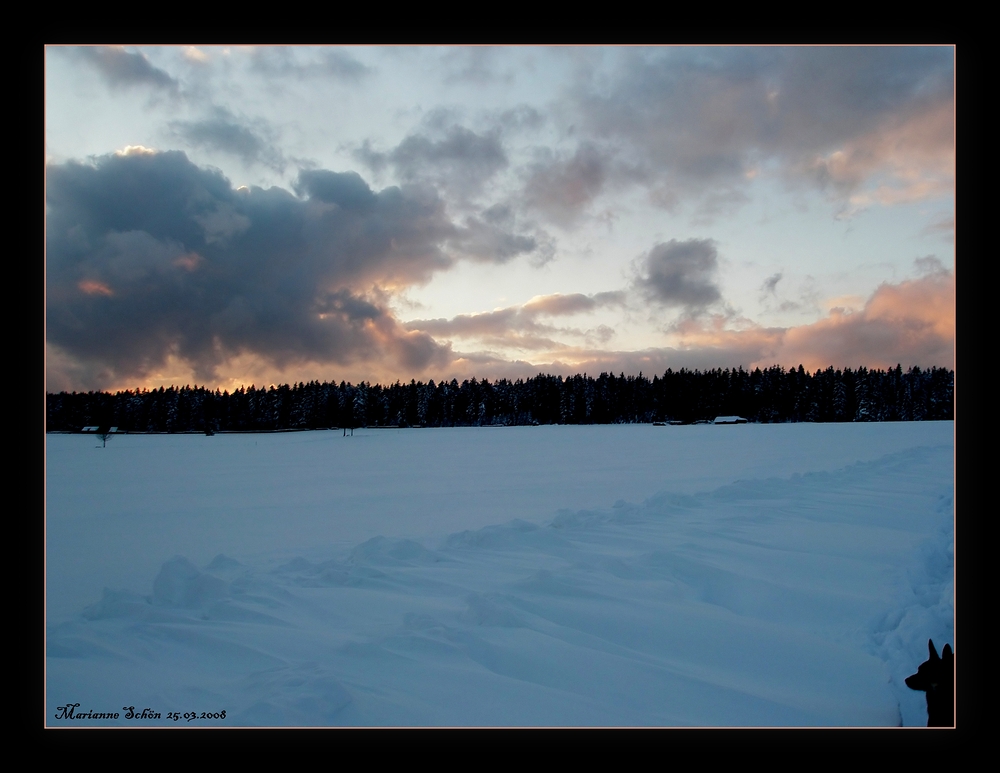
(751,575)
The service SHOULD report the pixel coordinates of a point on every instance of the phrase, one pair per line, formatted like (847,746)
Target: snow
(781,575)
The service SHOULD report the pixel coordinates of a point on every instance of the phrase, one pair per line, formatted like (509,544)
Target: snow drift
(794,600)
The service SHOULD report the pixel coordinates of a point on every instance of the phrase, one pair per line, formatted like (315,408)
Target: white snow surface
(629,575)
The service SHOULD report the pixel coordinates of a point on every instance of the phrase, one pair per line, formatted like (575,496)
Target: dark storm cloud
(149,256)
(224,131)
(680,274)
(123,68)
(346,190)
(706,116)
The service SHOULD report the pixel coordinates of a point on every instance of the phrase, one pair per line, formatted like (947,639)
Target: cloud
(93,287)
(912,323)
(592,361)
(528,327)
(346,190)
(909,158)
(487,242)
(285,61)
(768,288)
(519,118)
(575,303)
(492,324)
(561,188)
(224,132)
(870,122)
(341,64)
(650,362)
(945,226)
(459,160)
(151,259)
(929,264)
(519,326)
(680,274)
(769,293)
(476,64)
(718,203)
(461,163)
(479,240)
(121,68)
(195,55)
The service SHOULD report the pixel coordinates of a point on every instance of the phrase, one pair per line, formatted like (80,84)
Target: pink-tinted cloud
(515,322)
(915,157)
(189,261)
(93,287)
(872,125)
(912,323)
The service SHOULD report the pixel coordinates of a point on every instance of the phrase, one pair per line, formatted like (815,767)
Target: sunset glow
(279,214)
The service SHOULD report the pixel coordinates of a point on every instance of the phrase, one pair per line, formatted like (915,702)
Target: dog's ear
(931,651)
(946,652)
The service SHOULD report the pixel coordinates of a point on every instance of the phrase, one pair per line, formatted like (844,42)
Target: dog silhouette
(936,677)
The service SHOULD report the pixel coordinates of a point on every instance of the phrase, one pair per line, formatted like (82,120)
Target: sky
(228,216)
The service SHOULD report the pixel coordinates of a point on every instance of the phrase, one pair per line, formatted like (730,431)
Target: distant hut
(729,420)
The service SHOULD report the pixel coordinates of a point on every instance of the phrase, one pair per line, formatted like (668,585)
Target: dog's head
(935,672)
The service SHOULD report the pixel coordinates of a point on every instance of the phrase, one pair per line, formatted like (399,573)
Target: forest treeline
(766,396)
